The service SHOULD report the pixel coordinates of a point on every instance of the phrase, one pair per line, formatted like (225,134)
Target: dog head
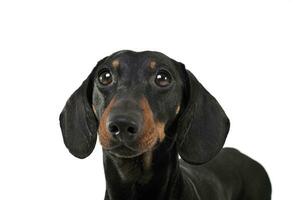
(135,101)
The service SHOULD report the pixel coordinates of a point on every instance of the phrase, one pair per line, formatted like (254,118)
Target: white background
(249,55)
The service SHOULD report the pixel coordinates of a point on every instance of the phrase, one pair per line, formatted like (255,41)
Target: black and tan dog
(147,109)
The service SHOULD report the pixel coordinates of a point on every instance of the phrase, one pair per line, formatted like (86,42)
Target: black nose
(123,126)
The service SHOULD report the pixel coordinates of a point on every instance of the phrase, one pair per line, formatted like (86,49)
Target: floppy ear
(77,120)
(203,125)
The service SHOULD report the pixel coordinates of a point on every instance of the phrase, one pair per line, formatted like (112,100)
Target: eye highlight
(163,78)
(105,77)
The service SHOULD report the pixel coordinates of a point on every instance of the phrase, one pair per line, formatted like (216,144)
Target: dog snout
(124,126)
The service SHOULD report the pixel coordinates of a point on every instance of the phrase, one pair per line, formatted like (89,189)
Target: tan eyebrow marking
(116,63)
(152,64)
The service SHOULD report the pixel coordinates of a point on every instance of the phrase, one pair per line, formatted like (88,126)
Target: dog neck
(152,175)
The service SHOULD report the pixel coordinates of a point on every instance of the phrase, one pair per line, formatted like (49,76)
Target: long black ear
(78,122)
(203,125)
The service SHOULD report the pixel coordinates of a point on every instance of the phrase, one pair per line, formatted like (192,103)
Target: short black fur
(195,128)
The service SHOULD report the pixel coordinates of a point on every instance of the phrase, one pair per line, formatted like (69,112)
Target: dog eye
(163,78)
(105,77)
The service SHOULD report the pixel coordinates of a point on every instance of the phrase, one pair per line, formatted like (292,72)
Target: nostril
(123,127)
(113,128)
(132,130)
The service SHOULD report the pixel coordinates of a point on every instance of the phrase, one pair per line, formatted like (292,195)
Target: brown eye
(163,78)
(105,77)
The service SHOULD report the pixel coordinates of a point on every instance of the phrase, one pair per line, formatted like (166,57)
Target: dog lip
(123,151)
(112,147)
(125,156)
(128,146)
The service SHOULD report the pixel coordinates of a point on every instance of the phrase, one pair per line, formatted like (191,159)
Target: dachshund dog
(148,110)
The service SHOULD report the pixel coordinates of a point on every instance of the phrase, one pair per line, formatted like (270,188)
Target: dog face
(135,96)
(132,100)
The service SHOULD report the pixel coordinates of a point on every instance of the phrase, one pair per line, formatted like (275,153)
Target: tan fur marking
(178,109)
(152,64)
(152,131)
(160,131)
(115,63)
(104,135)
(147,160)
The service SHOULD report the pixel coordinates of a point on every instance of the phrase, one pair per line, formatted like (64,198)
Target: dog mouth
(124,151)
